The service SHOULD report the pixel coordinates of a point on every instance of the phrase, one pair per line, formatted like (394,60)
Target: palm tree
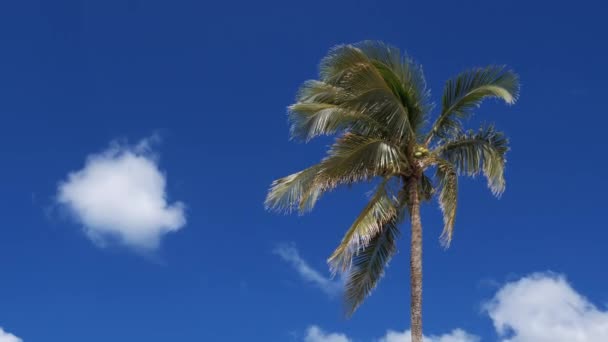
(376,101)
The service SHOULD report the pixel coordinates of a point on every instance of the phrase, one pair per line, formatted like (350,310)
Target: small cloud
(289,253)
(119,195)
(8,337)
(315,334)
(543,307)
(457,335)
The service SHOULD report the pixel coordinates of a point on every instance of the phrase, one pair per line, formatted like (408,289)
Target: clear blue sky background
(213,79)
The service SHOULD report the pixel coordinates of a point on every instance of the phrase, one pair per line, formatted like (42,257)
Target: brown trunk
(416,263)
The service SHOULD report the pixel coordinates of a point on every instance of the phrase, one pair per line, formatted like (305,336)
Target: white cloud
(457,335)
(545,308)
(120,196)
(289,253)
(8,337)
(541,307)
(315,334)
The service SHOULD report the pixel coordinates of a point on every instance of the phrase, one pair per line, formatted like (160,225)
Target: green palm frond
(479,152)
(369,264)
(355,158)
(352,158)
(321,109)
(448,197)
(311,119)
(296,191)
(368,87)
(380,209)
(404,77)
(466,91)
(341,58)
(313,91)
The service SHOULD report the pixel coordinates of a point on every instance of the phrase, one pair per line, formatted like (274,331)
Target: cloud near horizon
(541,307)
(457,335)
(289,253)
(8,337)
(119,196)
(315,334)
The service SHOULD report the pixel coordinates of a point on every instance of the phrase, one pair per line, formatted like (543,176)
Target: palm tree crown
(375,100)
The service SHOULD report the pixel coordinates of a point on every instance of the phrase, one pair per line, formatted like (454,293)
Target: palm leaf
(295,191)
(466,91)
(352,158)
(355,158)
(380,210)
(314,91)
(365,90)
(448,196)
(479,152)
(404,77)
(369,264)
(310,119)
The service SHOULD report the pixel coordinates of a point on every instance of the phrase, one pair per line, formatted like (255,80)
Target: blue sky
(194,94)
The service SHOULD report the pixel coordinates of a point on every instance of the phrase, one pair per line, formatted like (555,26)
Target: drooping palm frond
(315,91)
(340,58)
(404,77)
(448,197)
(479,152)
(312,119)
(466,91)
(351,158)
(355,158)
(368,266)
(380,83)
(380,209)
(296,191)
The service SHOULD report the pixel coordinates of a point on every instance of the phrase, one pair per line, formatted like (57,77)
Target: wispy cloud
(8,337)
(289,253)
(119,195)
(315,334)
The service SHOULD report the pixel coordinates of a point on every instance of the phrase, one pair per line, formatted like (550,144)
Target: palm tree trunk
(416,263)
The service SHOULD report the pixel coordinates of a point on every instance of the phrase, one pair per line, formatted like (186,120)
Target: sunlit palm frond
(296,191)
(479,152)
(466,91)
(380,209)
(355,158)
(325,109)
(339,59)
(314,91)
(309,120)
(365,89)
(448,197)
(352,158)
(368,266)
(404,77)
